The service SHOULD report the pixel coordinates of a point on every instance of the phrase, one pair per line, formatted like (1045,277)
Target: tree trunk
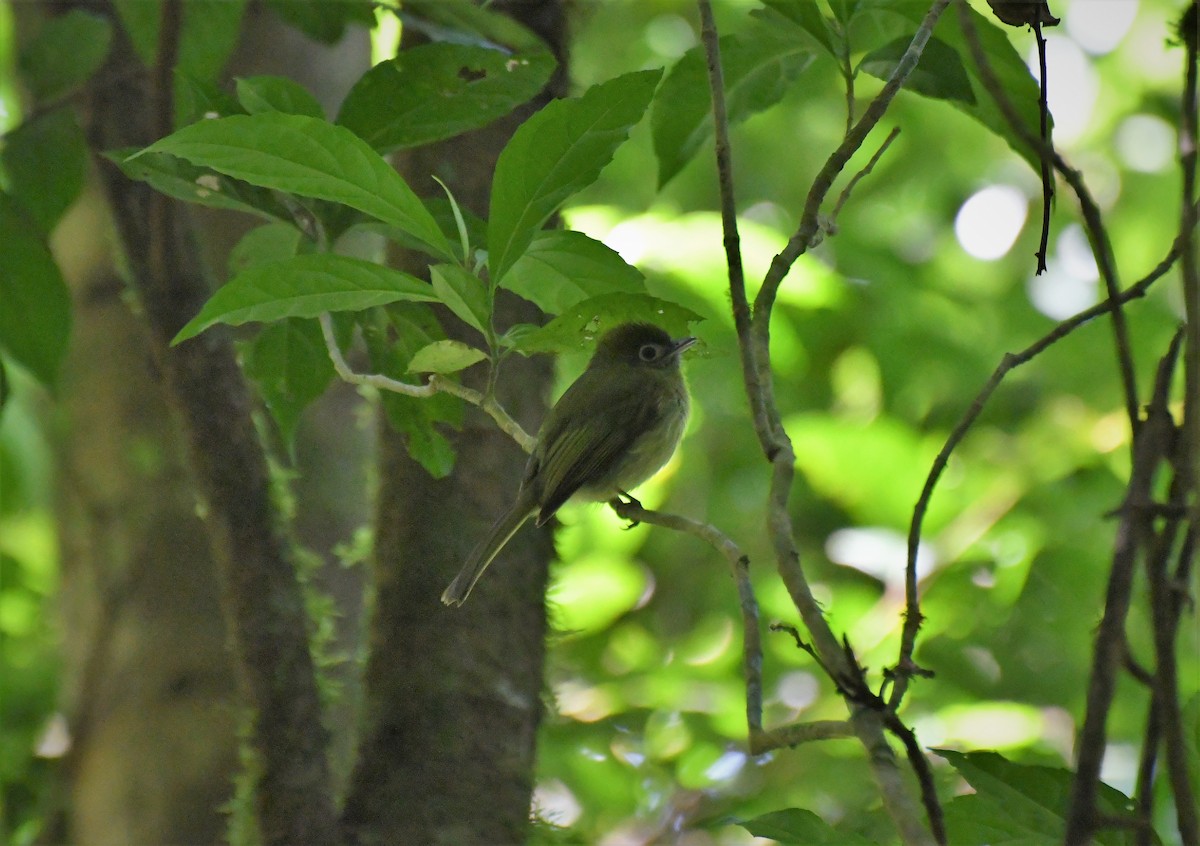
(453,695)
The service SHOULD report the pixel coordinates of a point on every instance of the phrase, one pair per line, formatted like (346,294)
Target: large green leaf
(581,324)
(800,826)
(807,15)
(463,293)
(207,37)
(324,21)
(45,160)
(939,74)
(35,306)
(393,336)
(562,268)
(183,180)
(309,157)
(558,151)
(79,35)
(277,94)
(1019,803)
(760,66)
(289,363)
(304,286)
(438,90)
(1011,71)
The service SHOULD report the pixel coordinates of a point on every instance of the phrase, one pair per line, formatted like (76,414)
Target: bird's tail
(487,549)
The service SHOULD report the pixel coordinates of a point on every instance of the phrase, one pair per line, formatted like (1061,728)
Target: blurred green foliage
(882,337)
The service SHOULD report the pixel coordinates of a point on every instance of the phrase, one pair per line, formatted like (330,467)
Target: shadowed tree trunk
(150,690)
(453,696)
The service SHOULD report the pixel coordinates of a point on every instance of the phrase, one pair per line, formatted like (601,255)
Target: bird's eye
(648,352)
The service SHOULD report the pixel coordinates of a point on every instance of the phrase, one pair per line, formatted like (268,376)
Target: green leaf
(760,66)
(939,74)
(439,90)
(201,185)
(82,37)
(427,446)
(324,21)
(259,94)
(807,15)
(562,268)
(208,33)
(308,157)
(45,160)
(392,336)
(35,306)
(264,244)
(464,294)
(1011,72)
(466,22)
(445,357)
(208,37)
(304,286)
(558,151)
(289,363)
(1019,803)
(581,324)
(800,826)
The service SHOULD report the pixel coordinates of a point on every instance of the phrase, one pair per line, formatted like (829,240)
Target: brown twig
(754,345)
(1151,447)
(1047,144)
(739,566)
(854,180)
(1092,218)
(912,617)
(751,369)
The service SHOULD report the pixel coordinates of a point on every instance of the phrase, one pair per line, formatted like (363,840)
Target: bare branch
(1150,449)
(739,565)
(912,620)
(1092,219)
(809,222)
(486,402)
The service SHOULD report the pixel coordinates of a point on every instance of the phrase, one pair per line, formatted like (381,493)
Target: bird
(613,428)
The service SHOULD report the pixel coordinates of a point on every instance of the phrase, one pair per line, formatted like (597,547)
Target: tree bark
(260,596)
(453,695)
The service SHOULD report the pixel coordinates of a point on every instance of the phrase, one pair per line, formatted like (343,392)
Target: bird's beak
(682,344)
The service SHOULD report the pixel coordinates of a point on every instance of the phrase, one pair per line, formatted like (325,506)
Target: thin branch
(729,227)
(436,384)
(1152,445)
(912,619)
(1047,144)
(920,766)
(754,345)
(809,222)
(1189,138)
(739,566)
(797,733)
(870,166)
(1092,219)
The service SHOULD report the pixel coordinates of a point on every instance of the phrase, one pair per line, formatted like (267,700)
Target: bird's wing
(579,449)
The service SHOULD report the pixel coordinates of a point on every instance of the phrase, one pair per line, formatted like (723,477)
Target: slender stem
(732,240)
(1093,221)
(436,384)
(809,223)
(739,566)
(854,180)
(1047,172)
(1152,445)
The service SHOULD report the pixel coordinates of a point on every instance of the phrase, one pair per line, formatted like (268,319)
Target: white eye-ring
(648,352)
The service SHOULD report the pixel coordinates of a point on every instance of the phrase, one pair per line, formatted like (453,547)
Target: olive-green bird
(617,424)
